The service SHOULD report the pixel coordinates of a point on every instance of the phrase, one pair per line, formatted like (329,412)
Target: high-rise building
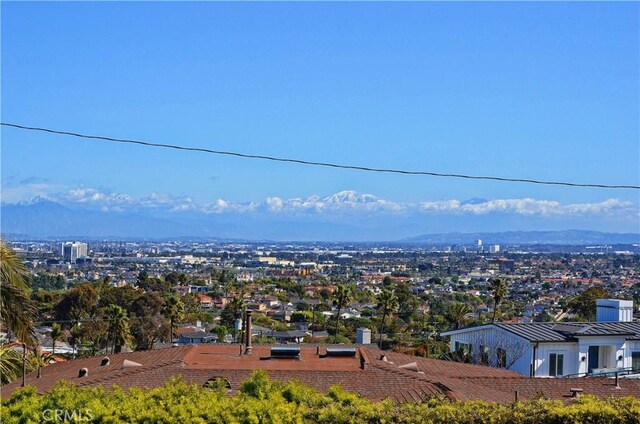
(73,250)
(495,248)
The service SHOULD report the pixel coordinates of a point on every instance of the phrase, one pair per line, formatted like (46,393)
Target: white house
(549,349)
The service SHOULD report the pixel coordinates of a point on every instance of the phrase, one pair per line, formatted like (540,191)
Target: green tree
(458,310)
(498,292)
(387,304)
(121,296)
(342,297)
(220,331)
(146,320)
(231,312)
(584,304)
(91,336)
(78,303)
(17,310)
(39,359)
(118,331)
(143,279)
(56,334)
(45,302)
(407,302)
(10,364)
(173,310)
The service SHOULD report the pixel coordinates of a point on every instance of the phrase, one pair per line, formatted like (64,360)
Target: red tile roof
(366,374)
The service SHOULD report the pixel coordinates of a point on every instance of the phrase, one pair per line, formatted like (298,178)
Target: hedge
(262,400)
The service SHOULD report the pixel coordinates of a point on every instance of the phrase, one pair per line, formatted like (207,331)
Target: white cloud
(95,196)
(274,203)
(344,202)
(26,191)
(528,206)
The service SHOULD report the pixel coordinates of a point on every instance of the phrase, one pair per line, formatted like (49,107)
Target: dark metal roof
(562,332)
(611,328)
(536,331)
(199,335)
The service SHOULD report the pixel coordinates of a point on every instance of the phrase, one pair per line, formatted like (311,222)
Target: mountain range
(44,218)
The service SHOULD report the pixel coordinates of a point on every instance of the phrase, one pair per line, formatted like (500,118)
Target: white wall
(630,346)
(569,350)
(494,338)
(610,358)
(573,351)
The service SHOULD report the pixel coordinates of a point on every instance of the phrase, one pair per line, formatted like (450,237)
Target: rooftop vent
(340,352)
(128,364)
(83,372)
(385,359)
(105,361)
(278,352)
(575,392)
(412,366)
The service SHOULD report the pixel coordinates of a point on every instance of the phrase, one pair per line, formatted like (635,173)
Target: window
(218,383)
(635,361)
(502,358)
(462,347)
(484,355)
(556,364)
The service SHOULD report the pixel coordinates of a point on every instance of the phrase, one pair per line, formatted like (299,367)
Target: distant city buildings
(73,250)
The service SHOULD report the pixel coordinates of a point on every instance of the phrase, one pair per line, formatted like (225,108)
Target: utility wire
(323,164)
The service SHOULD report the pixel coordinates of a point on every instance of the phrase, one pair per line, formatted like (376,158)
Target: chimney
(247,350)
(363,336)
(614,310)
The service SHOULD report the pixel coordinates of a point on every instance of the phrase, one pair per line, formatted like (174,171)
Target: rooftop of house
(562,332)
(370,372)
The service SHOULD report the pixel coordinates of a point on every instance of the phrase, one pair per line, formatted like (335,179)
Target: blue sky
(535,90)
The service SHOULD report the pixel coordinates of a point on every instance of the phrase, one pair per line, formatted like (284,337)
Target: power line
(322,164)
(74,321)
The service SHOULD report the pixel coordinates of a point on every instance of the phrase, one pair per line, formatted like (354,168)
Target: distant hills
(575,237)
(43,218)
(47,219)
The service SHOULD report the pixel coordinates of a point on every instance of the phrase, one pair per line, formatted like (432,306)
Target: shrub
(261,400)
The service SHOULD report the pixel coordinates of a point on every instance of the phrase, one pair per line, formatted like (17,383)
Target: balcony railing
(605,372)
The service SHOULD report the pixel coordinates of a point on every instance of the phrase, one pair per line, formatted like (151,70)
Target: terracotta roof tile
(365,374)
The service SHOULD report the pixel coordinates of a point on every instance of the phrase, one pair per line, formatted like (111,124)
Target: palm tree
(342,296)
(174,310)
(498,292)
(458,311)
(233,311)
(388,302)
(40,359)
(16,308)
(118,332)
(10,364)
(56,334)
